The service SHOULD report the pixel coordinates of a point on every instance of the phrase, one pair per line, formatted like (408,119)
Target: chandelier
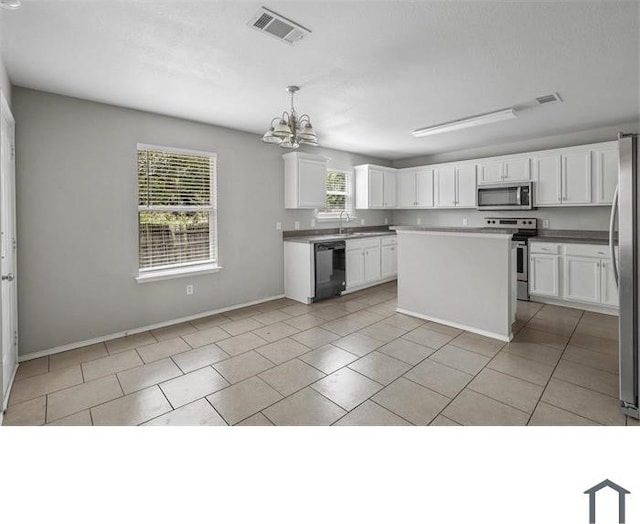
(291,130)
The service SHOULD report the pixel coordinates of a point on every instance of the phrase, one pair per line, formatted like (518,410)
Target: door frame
(5,112)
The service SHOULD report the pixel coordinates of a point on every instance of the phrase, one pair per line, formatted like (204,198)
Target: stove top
(523,228)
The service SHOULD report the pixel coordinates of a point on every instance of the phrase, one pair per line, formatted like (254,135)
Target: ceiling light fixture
(477,120)
(289,130)
(10,4)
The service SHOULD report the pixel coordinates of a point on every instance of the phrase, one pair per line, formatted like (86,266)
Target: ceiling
(370,72)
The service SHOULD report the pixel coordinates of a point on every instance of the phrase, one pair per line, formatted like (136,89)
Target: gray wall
(77,219)
(589,218)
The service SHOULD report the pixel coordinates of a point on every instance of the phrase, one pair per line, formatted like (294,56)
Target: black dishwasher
(329,269)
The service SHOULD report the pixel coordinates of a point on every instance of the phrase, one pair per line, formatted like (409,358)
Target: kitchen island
(461,277)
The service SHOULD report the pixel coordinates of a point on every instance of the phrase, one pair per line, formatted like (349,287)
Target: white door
(582,279)
(406,189)
(312,184)
(444,182)
(372,264)
(424,188)
(607,175)
(517,169)
(490,172)
(466,186)
(389,189)
(8,294)
(355,267)
(376,188)
(546,170)
(389,261)
(576,178)
(543,275)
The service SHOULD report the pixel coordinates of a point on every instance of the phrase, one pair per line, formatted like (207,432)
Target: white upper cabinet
(375,187)
(304,181)
(455,185)
(576,178)
(444,186)
(547,176)
(508,169)
(606,179)
(414,188)
(466,185)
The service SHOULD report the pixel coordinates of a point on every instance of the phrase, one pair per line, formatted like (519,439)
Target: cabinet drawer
(389,241)
(546,248)
(587,250)
(363,243)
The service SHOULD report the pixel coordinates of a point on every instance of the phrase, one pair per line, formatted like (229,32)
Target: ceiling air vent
(549,99)
(277,26)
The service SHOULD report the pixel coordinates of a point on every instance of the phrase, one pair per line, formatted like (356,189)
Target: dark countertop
(329,235)
(572,236)
(489,230)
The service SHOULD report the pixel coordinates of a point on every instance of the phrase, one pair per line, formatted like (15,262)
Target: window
(339,195)
(176,212)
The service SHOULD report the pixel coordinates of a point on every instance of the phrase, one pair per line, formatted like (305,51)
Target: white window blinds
(176,208)
(339,193)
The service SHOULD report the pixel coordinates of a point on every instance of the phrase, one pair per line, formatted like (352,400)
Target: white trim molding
(112,336)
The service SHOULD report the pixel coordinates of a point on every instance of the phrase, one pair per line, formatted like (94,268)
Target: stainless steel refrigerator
(627,205)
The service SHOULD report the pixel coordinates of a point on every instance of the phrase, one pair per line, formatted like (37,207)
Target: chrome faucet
(340,220)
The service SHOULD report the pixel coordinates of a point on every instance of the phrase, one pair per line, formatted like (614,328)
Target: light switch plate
(465,222)
(545,223)
(419,221)
(296,225)
(362,221)
(386,221)
(278,226)
(313,222)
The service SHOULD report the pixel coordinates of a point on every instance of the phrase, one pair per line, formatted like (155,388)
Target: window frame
(212,264)
(332,216)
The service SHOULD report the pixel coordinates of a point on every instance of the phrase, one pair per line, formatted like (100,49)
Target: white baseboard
(477,331)
(112,336)
(5,400)
(595,308)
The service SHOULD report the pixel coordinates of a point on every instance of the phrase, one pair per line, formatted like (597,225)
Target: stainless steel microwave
(505,196)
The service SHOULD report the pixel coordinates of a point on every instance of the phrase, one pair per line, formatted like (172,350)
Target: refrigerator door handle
(612,244)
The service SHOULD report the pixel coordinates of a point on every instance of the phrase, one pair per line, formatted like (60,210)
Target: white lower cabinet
(575,273)
(370,261)
(544,275)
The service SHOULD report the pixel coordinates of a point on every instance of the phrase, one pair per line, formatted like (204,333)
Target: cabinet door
(517,169)
(389,261)
(424,188)
(355,267)
(490,172)
(576,178)
(376,188)
(444,182)
(543,275)
(609,290)
(607,175)
(311,183)
(546,170)
(582,279)
(371,264)
(389,189)
(466,186)
(406,189)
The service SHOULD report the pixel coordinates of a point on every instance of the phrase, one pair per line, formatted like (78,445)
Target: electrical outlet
(313,222)
(278,226)
(296,225)
(545,223)
(189,289)
(465,222)
(362,221)
(419,221)
(386,221)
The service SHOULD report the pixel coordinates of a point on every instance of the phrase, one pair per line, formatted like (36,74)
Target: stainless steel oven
(506,196)
(523,229)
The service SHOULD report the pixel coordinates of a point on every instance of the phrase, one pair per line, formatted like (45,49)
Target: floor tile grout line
(544,390)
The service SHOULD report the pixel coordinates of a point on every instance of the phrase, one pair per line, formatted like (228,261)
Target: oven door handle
(519,196)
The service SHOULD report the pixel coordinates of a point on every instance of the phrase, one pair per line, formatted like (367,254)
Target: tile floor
(347,361)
